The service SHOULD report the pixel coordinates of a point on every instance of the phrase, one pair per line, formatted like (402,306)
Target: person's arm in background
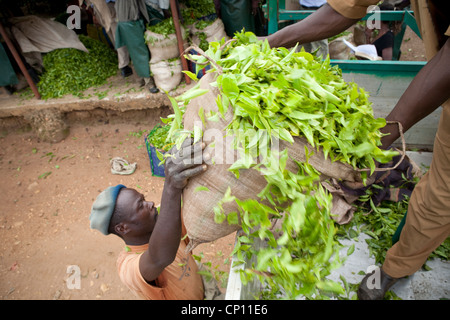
(387,53)
(323,23)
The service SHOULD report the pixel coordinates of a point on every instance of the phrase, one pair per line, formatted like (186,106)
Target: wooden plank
(276,12)
(235,289)
(176,21)
(234,284)
(302,14)
(381,67)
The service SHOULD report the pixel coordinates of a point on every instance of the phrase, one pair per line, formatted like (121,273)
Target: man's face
(141,214)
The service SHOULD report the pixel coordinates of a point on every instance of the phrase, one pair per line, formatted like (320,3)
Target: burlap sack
(198,214)
(214,32)
(36,34)
(167,74)
(164,47)
(338,49)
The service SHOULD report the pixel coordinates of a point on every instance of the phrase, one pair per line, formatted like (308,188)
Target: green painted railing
(276,12)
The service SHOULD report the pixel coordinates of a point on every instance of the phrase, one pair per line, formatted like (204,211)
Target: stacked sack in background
(201,20)
(205,31)
(165,63)
(199,26)
(204,27)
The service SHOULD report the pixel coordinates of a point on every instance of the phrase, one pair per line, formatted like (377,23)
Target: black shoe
(126,71)
(375,285)
(153,89)
(150,85)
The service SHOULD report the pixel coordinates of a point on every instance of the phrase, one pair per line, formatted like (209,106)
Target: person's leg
(124,61)
(149,84)
(427,223)
(123,56)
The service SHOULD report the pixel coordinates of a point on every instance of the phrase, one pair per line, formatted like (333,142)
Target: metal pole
(19,62)
(176,22)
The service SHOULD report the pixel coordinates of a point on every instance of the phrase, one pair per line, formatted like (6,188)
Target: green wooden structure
(276,12)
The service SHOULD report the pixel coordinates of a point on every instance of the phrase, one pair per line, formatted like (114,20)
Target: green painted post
(272,16)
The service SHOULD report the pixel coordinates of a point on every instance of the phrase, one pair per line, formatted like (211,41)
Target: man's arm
(322,24)
(387,53)
(166,235)
(428,90)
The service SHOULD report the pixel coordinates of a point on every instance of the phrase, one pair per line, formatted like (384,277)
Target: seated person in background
(384,40)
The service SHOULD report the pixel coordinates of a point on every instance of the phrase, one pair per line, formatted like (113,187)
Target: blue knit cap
(103,208)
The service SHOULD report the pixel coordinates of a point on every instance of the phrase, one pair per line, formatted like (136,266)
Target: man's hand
(184,163)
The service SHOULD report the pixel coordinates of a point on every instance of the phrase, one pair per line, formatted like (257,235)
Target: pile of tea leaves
(71,71)
(276,93)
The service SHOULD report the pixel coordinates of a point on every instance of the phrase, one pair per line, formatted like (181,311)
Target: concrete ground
(423,285)
(433,284)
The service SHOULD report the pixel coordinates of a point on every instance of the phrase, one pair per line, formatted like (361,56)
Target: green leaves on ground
(71,71)
(158,136)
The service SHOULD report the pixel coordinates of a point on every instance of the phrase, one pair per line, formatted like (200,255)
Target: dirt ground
(412,48)
(47,191)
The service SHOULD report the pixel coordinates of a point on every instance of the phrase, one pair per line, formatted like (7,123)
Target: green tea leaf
(201,188)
